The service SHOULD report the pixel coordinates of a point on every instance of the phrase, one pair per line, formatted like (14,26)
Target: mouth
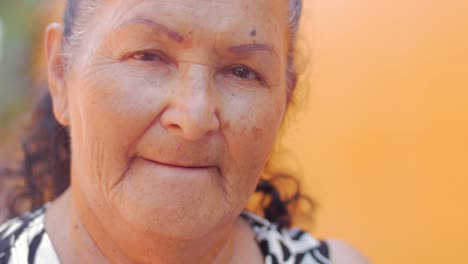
(175,172)
(180,165)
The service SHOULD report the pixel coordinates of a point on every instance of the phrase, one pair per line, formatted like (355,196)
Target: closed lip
(180,165)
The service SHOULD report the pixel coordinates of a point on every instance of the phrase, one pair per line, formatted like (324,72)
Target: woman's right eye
(146,56)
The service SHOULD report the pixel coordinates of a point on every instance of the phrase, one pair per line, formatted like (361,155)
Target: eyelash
(231,69)
(154,53)
(149,56)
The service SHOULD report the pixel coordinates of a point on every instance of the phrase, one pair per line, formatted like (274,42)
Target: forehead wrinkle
(206,64)
(155,26)
(246,48)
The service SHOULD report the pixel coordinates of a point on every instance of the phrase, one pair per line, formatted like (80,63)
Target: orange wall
(383,141)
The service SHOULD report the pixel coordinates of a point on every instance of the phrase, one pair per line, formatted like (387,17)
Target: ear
(56,72)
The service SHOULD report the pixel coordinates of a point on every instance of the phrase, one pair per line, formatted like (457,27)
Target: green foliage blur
(18,35)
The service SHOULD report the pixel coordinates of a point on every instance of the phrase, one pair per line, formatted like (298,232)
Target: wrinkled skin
(173,108)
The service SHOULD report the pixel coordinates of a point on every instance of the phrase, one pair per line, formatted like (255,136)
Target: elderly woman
(172,109)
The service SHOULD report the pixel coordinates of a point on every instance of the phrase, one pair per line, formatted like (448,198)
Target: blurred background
(380,142)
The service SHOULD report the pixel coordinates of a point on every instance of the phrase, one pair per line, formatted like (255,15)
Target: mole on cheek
(253,32)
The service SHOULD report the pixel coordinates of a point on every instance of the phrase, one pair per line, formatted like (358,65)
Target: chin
(183,219)
(184,210)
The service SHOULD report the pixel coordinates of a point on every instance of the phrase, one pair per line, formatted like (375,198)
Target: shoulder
(343,253)
(19,236)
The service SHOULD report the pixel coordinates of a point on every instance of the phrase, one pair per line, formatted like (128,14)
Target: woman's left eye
(244,72)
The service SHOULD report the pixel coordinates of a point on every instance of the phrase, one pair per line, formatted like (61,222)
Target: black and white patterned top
(24,240)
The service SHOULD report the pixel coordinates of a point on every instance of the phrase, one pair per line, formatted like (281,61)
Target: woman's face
(174,107)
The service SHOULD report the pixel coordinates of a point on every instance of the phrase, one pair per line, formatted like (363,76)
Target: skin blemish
(253,32)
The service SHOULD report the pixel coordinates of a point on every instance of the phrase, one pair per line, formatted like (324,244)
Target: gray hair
(295,12)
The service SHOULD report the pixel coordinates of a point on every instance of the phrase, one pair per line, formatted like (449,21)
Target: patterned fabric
(24,240)
(288,246)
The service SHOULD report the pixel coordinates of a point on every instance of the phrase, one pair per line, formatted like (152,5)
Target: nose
(193,106)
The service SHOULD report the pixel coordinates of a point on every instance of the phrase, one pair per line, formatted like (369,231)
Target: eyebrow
(155,26)
(161,29)
(246,48)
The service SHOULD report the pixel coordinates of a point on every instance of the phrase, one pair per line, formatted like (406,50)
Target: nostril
(173,126)
(191,125)
(171,120)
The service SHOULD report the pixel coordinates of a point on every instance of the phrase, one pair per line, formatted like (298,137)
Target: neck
(89,242)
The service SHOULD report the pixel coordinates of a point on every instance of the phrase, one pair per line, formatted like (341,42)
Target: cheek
(109,111)
(250,136)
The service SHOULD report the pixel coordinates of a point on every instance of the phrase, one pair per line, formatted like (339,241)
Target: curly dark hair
(45,169)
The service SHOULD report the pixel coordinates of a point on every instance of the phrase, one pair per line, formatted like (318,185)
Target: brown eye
(244,72)
(147,56)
